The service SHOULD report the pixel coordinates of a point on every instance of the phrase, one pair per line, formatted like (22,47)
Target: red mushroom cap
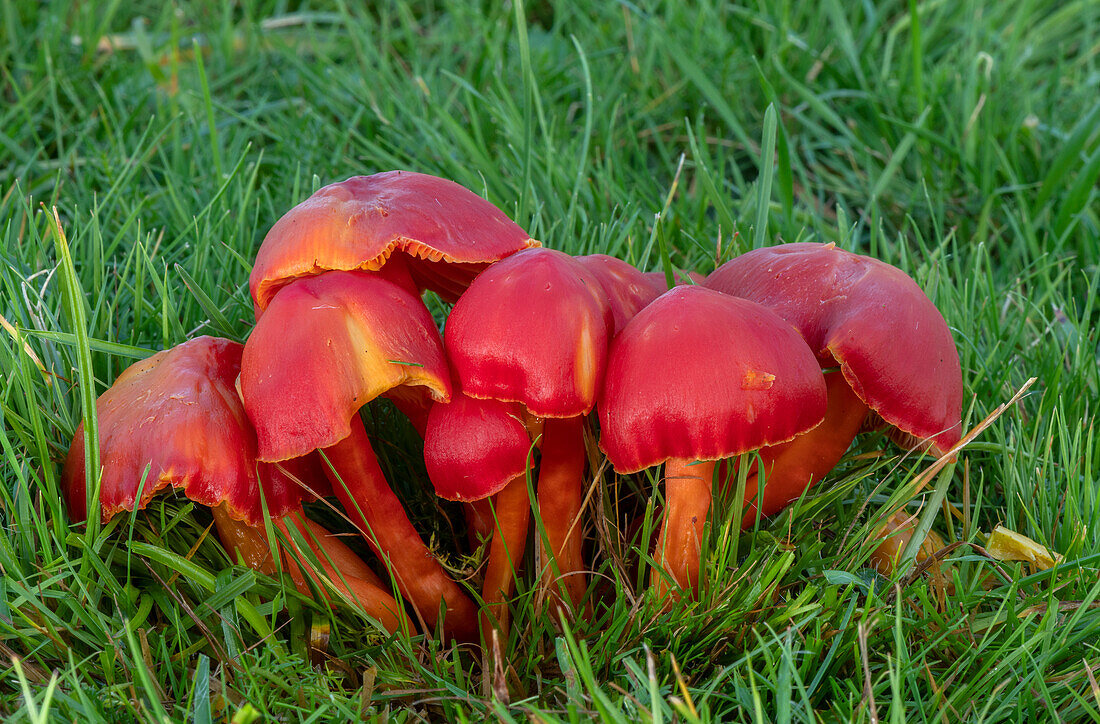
(532,329)
(659,282)
(698,375)
(891,342)
(328,345)
(448,232)
(628,290)
(473,448)
(178,414)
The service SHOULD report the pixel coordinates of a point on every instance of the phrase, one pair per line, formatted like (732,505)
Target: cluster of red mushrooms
(786,352)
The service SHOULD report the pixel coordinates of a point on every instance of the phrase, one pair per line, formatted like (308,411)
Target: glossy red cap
(628,290)
(448,233)
(178,414)
(326,346)
(699,375)
(658,281)
(890,341)
(473,448)
(532,329)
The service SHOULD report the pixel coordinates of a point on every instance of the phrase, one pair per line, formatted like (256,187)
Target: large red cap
(891,342)
(532,329)
(628,290)
(473,448)
(699,375)
(328,345)
(448,232)
(177,414)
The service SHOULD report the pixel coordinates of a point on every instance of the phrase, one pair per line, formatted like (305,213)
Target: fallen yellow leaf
(1008,545)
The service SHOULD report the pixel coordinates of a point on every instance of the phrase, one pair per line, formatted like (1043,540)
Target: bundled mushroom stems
(785,352)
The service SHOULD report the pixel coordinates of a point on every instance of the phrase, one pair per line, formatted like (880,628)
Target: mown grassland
(957,140)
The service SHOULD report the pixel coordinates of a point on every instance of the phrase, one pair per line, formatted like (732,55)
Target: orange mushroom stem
(361,487)
(511,512)
(560,498)
(687,503)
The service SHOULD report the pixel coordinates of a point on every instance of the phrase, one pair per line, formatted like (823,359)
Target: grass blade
(764,182)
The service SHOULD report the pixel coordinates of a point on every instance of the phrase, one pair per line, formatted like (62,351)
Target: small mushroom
(533,329)
(696,377)
(895,535)
(479,450)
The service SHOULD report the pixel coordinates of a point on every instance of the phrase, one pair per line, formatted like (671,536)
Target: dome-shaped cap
(328,345)
(891,342)
(532,329)
(448,233)
(699,375)
(473,448)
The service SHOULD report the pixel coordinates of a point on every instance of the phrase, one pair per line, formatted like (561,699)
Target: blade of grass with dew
(764,182)
(74,302)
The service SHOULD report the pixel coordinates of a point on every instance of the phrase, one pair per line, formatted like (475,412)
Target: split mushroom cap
(892,344)
(177,413)
(699,375)
(446,232)
(532,329)
(328,345)
(628,290)
(473,448)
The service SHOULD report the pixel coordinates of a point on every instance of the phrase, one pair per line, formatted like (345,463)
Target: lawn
(145,151)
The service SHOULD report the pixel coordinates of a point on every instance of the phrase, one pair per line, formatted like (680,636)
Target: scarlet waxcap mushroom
(447,233)
(698,375)
(892,344)
(473,448)
(532,329)
(328,345)
(177,413)
(175,419)
(627,289)
(694,377)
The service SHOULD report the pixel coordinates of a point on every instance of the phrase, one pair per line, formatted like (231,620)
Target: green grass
(960,141)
